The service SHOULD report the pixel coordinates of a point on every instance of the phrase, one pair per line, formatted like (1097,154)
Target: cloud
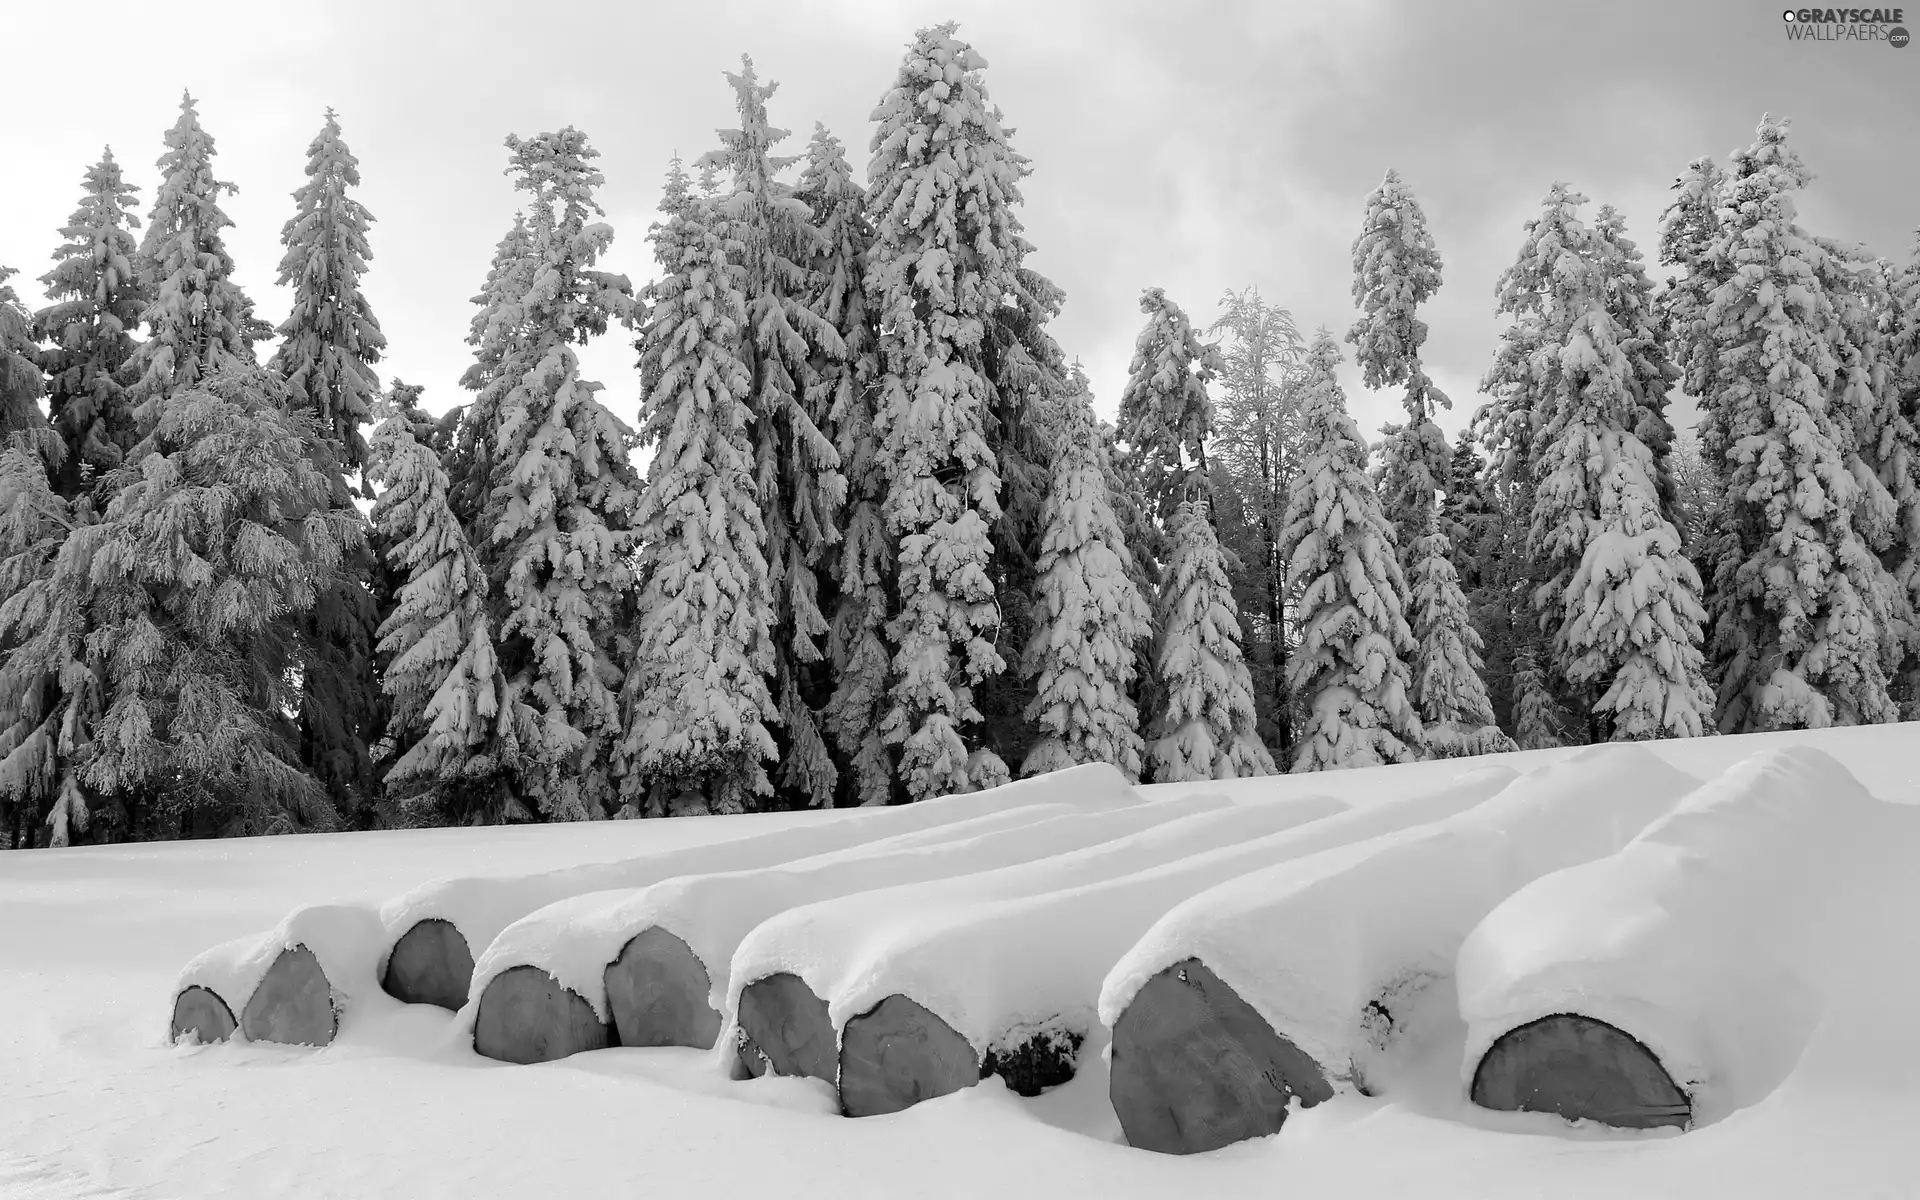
(1199,147)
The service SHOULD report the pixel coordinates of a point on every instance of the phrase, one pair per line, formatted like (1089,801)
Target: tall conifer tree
(946,253)
(697,708)
(1090,615)
(845,389)
(328,345)
(97,305)
(557,523)
(1351,673)
(802,488)
(1799,605)
(1396,268)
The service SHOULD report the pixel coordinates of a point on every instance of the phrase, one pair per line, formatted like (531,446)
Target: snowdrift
(1706,942)
(477,909)
(1291,980)
(1009,986)
(586,945)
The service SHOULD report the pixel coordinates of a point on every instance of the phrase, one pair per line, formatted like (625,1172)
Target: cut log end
(293,1004)
(897,1054)
(1034,1064)
(527,1016)
(1582,1069)
(789,1025)
(657,993)
(1195,1068)
(200,1014)
(430,964)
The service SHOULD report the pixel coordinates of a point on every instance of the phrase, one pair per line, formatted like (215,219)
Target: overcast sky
(1199,147)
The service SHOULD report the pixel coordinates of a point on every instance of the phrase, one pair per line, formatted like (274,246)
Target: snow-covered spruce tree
(1350,672)
(1396,268)
(496,332)
(1090,615)
(1881,441)
(1651,374)
(331,340)
(957,363)
(1166,416)
(844,388)
(696,702)
(328,346)
(1451,696)
(96,306)
(50,698)
(217,539)
(555,532)
(1799,601)
(1537,717)
(797,471)
(1688,229)
(195,580)
(199,322)
(454,728)
(1615,590)
(21,383)
(1203,727)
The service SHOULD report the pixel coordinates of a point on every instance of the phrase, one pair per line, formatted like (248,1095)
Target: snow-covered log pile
(1308,975)
(1680,978)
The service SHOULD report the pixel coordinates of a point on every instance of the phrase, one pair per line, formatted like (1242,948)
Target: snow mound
(834,945)
(1313,942)
(345,939)
(1003,969)
(574,939)
(481,907)
(1712,937)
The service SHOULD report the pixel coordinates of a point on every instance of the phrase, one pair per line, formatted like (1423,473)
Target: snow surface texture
(1709,936)
(575,939)
(1312,942)
(98,1104)
(481,907)
(1002,969)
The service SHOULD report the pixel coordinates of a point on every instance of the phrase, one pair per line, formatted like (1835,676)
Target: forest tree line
(881,547)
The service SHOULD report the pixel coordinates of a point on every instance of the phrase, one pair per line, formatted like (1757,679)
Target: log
(527,1016)
(198,1011)
(430,964)
(897,1054)
(1195,1068)
(1582,1069)
(657,993)
(293,1004)
(790,1027)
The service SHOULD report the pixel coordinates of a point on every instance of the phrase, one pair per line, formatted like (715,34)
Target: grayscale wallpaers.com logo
(1847,25)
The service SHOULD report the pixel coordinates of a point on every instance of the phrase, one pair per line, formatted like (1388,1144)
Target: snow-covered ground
(94,1103)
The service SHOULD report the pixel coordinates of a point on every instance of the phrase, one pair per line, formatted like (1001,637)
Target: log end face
(430,964)
(1195,1067)
(897,1054)
(527,1016)
(790,1026)
(293,1005)
(657,993)
(1581,1069)
(200,1014)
